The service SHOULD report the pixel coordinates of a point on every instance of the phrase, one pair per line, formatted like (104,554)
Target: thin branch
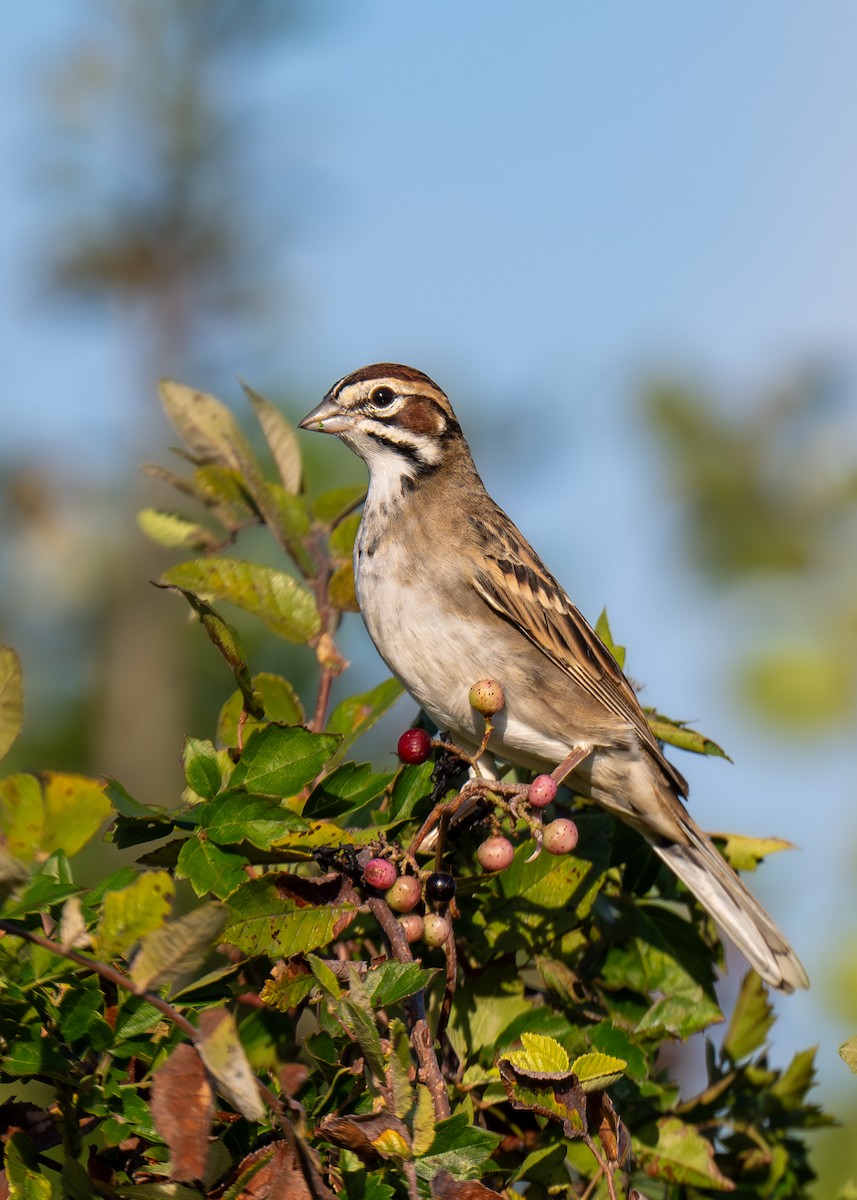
(421,1037)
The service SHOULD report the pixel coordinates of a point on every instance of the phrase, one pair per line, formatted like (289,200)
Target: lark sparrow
(451,592)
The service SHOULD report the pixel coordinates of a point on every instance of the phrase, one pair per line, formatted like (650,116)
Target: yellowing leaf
(221,1050)
(75,809)
(178,948)
(848,1053)
(745,853)
(22,815)
(130,913)
(281,438)
(596,1071)
(173,531)
(11,698)
(540,1054)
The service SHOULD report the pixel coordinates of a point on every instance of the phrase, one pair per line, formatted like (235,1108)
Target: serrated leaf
(324,977)
(201,767)
(281,438)
(279,700)
(540,1054)
(794,1083)
(75,809)
(744,853)
(681,1155)
(279,761)
(129,913)
(391,982)
(234,817)
(11,698)
(284,605)
(412,788)
(356,714)
(173,531)
(179,948)
(346,790)
(596,1071)
(221,1050)
(264,921)
(752,1018)
(458,1147)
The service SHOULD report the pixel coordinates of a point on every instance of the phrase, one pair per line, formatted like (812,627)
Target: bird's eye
(383,397)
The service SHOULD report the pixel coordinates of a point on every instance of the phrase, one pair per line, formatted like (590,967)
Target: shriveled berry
(440,887)
(542,791)
(412,926)
(495,854)
(404,894)
(487,697)
(379,873)
(435,929)
(560,836)
(414,746)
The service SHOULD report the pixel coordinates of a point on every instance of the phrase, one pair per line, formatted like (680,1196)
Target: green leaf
(602,628)
(342,538)
(280,761)
(459,1147)
(207,427)
(281,438)
(234,817)
(680,1154)
(752,1018)
(412,788)
(597,1071)
(541,1054)
(201,767)
(22,816)
(263,921)
(130,913)
(745,853)
(279,701)
(356,714)
(286,606)
(346,790)
(794,1083)
(24,1172)
(11,698)
(677,733)
(332,506)
(173,531)
(848,1053)
(222,490)
(391,982)
(324,977)
(179,948)
(40,816)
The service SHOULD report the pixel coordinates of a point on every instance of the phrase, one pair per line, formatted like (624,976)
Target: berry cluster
(404,892)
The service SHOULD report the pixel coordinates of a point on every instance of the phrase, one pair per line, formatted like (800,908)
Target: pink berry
(379,873)
(542,791)
(404,894)
(435,929)
(487,697)
(560,836)
(412,927)
(495,854)
(414,746)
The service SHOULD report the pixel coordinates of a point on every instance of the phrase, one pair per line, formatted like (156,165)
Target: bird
(451,592)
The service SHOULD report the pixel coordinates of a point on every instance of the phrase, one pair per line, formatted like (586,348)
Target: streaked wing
(514,582)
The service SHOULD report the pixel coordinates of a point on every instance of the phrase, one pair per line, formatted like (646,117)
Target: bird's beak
(327,417)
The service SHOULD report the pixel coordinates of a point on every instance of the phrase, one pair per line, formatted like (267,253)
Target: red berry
(542,791)
(379,873)
(414,746)
(404,894)
(560,836)
(412,927)
(487,697)
(495,854)
(435,929)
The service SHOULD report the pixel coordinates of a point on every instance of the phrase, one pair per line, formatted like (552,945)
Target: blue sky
(535,206)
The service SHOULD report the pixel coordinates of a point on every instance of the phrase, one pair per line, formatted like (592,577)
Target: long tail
(702,869)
